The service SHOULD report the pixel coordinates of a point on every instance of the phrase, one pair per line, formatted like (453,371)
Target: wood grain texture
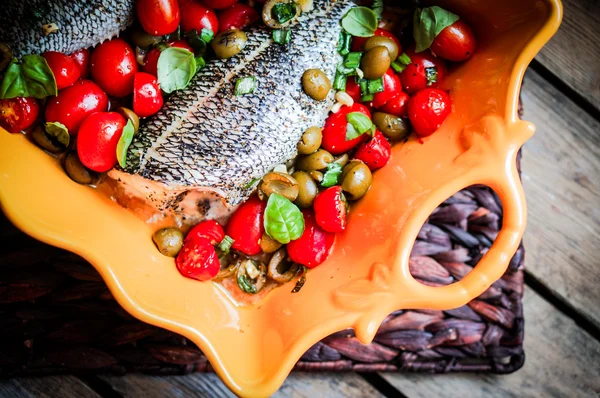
(573,53)
(561,176)
(562,361)
(46,387)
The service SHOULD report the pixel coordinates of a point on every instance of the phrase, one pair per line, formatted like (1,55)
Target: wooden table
(561,174)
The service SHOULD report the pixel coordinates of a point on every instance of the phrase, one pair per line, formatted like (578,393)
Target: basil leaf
(200,63)
(428,23)
(360,21)
(124,142)
(195,41)
(176,67)
(283,220)
(358,124)
(59,132)
(330,177)
(378,8)
(30,78)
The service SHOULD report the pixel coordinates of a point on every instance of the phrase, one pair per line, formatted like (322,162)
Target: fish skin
(82,24)
(206,138)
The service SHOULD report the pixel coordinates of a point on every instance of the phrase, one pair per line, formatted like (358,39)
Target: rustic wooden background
(561,174)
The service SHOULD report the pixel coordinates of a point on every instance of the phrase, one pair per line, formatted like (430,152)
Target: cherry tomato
(352,88)
(391,88)
(17,114)
(198,259)
(397,105)
(147,97)
(97,141)
(208,229)
(74,104)
(375,152)
(82,59)
(238,16)
(65,70)
(334,132)
(455,43)
(314,246)
(331,209)
(113,67)
(359,42)
(246,227)
(196,16)
(151,60)
(415,76)
(219,4)
(158,17)
(428,109)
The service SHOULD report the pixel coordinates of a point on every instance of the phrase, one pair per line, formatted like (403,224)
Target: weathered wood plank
(561,361)
(573,53)
(561,175)
(46,387)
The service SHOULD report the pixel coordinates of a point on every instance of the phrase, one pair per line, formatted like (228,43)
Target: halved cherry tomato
(151,60)
(208,229)
(17,114)
(147,97)
(97,141)
(359,42)
(198,259)
(334,132)
(113,67)
(397,105)
(455,43)
(65,70)
(428,109)
(391,88)
(219,4)
(331,209)
(246,226)
(158,17)
(375,152)
(352,88)
(314,246)
(74,104)
(82,60)
(196,16)
(424,70)
(238,16)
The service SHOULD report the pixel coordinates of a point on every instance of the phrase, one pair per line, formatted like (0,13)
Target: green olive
(316,175)
(229,43)
(44,141)
(144,40)
(386,42)
(128,114)
(307,191)
(251,276)
(315,161)
(77,171)
(268,244)
(342,160)
(375,62)
(393,127)
(228,267)
(169,241)
(281,269)
(270,20)
(280,183)
(311,141)
(356,179)
(316,84)
(6,55)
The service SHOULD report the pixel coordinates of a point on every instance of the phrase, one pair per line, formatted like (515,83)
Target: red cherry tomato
(198,259)
(455,43)
(397,105)
(314,246)
(415,76)
(113,67)
(238,16)
(375,152)
(391,88)
(246,227)
(359,42)
(208,229)
(147,97)
(353,89)
(196,16)
(97,141)
(331,209)
(74,104)
(17,114)
(158,17)
(428,109)
(219,4)
(151,60)
(82,60)
(334,132)
(65,70)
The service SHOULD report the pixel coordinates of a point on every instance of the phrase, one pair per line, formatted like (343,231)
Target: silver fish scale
(81,24)
(205,136)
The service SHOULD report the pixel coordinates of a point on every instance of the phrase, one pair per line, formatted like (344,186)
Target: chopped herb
(196,41)
(339,83)
(378,8)
(282,36)
(330,177)
(367,97)
(358,124)
(284,12)
(245,85)
(207,35)
(352,60)
(432,75)
(251,183)
(360,21)
(225,245)
(375,86)
(404,59)
(344,43)
(245,285)
(398,67)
